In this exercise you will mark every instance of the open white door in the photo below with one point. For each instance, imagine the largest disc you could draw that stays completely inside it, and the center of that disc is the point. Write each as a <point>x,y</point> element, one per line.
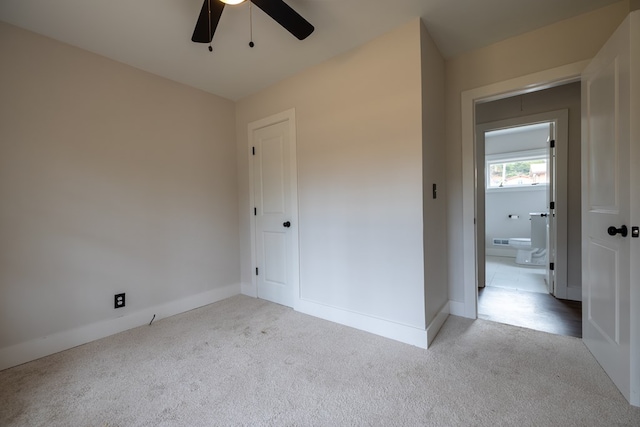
<point>608,193</point>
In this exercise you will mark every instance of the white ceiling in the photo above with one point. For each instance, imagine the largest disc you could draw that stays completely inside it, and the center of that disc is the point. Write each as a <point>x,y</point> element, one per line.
<point>155,35</point>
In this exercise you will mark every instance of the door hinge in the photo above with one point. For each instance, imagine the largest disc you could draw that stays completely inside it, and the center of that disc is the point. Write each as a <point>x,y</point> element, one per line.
<point>253,151</point>
<point>552,205</point>
<point>552,143</point>
<point>255,211</point>
<point>552,266</point>
<point>256,271</point>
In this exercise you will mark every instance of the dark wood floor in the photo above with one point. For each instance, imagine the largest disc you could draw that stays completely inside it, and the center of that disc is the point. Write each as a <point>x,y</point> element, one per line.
<point>531,310</point>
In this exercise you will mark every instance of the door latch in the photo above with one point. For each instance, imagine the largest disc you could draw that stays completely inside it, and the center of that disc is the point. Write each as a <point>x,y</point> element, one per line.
<point>635,232</point>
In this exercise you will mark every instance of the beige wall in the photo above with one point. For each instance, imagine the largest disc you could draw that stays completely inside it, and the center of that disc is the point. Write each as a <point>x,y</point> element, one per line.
<point>433,172</point>
<point>566,42</point>
<point>359,146</point>
<point>111,180</point>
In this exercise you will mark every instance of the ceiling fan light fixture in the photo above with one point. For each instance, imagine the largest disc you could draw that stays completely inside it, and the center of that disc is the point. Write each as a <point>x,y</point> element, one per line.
<point>278,10</point>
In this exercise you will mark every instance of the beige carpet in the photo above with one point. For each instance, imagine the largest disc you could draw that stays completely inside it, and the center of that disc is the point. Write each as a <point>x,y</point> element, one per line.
<point>248,362</point>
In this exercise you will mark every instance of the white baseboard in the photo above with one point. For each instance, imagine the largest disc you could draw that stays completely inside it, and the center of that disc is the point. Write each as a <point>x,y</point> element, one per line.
<point>386,328</point>
<point>436,324</point>
<point>34,349</point>
<point>456,308</point>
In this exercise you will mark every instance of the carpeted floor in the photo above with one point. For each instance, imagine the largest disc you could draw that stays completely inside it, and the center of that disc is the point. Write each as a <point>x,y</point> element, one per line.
<point>248,362</point>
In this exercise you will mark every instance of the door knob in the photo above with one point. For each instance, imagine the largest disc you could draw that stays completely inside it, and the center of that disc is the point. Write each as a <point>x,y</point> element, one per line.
<point>622,230</point>
<point>287,224</point>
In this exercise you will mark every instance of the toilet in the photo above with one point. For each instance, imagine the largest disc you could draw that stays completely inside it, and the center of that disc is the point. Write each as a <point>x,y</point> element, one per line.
<point>533,250</point>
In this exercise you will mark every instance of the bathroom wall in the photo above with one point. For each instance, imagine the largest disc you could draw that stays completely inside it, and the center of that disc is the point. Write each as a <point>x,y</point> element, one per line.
<point>500,203</point>
<point>516,139</point>
<point>498,224</point>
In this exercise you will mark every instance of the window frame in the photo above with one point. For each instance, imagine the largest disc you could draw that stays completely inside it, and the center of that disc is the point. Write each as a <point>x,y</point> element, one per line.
<point>512,157</point>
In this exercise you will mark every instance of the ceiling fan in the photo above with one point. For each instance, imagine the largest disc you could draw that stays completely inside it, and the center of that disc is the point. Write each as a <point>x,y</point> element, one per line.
<point>281,12</point>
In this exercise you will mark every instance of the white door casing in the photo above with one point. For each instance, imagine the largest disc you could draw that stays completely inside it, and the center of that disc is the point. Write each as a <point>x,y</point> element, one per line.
<point>606,202</point>
<point>273,198</point>
<point>520,85</point>
<point>552,200</point>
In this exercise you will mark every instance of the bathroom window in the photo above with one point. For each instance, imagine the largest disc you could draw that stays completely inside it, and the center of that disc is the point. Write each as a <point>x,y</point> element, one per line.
<point>525,169</point>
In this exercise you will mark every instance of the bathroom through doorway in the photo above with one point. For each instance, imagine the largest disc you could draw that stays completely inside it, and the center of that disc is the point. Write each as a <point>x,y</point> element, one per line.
<point>523,174</point>
<point>520,182</point>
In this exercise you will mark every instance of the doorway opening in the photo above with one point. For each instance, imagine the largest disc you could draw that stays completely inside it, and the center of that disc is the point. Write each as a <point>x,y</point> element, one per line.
<point>607,273</point>
<point>523,208</point>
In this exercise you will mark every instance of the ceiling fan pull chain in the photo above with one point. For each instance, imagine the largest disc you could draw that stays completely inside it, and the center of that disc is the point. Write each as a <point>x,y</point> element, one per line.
<point>251,44</point>
<point>209,21</point>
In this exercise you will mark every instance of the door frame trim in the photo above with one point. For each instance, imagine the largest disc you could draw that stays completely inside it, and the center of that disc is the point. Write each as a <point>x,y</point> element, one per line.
<point>529,83</point>
<point>290,117</point>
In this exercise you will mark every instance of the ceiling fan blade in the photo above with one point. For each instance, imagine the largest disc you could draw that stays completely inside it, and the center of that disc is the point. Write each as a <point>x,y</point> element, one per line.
<point>206,26</point>
<point>287,17</point>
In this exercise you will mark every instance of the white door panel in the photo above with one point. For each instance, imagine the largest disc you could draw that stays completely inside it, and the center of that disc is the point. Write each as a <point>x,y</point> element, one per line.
<point>275,212</point>
<point>271,161</point>
<point>603,144</point>
<point>275,255</point>
<point>606,194</point>
<point>604,292</point>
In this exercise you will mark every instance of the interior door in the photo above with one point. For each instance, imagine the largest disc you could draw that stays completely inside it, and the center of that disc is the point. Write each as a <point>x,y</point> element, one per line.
<point>606,197</point>
<point>274,212</point>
